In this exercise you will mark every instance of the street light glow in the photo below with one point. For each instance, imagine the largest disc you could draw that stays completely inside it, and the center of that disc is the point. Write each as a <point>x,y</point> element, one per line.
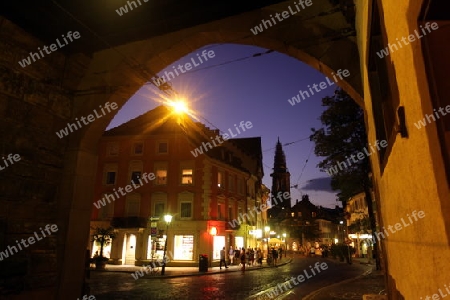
<point>168,218</point>
<point>179,106</point>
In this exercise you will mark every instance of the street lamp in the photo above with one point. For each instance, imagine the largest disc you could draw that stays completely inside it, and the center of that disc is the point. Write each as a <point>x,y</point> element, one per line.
<point>267,230</point>
<point>167,219</point>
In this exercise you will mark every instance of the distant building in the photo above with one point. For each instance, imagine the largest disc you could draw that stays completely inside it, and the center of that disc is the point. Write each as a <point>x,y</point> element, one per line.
<point>309,223</point>
<point>209,195</point>
<point>358,223</point>
<point>281,184</point>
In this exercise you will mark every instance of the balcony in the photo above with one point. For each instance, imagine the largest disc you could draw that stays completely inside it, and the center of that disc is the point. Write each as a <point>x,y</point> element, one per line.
<point>129,222</point>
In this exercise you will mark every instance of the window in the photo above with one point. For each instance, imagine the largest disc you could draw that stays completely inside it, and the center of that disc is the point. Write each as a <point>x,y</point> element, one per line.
<point>220,182</point>
<point>219,211</point>
<point>299,214</point>
<point>382,83</point>
<point>112,149</point>
<point>161,176</point>
<point>231,185</point>
<point>239,211</point>
<point>161,173</point>
<point>435,54</point>
<point>185,204</point>
<point>313,214</point>
<point>230,212</point>
<point>133,205</point>
<point>138,148</point>
<point>162,147</point>
<point>135,171</point>
<point>159,209</point>
<point>106,212</point>
<point>292,214</point>
<point>135,177</point>
<point>110,173</point>
<point>183,247</point>
<point>240,186</point>
<point>186,210</point>
<point>110,177</point>
<point>159,201</point>
<point>186,176</point>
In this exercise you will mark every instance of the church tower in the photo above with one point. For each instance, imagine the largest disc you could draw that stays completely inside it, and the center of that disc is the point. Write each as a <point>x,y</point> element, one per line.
<point>281,183</point>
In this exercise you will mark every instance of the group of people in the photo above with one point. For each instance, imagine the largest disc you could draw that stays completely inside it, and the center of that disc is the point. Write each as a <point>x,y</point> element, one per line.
<point>248,257</point>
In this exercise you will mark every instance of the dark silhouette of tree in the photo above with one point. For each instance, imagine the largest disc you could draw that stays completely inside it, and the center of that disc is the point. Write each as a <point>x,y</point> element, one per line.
<point>339,141</point>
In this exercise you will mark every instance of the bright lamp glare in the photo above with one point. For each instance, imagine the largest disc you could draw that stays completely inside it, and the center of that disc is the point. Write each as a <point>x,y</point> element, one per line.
<point>168,218</point>
<point>179,106</point>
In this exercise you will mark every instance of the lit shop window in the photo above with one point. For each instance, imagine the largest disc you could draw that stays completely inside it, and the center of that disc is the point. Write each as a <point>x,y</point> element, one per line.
<point>219,243</point>
<point>184,247</point>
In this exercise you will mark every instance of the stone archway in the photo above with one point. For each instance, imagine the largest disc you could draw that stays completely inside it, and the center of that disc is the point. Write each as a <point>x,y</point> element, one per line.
<point>77,84</point>
<point>83,158</point>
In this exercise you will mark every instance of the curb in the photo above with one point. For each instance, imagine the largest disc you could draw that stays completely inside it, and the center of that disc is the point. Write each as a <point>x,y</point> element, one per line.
<point>146,276</point>
<point>311,295</point>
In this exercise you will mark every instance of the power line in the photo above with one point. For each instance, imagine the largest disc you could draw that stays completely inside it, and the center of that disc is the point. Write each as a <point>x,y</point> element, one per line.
<point>288,144</point>
<point>218,65</point>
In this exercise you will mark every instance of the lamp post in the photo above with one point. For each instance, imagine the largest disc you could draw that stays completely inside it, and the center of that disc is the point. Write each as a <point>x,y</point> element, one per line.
<point>267,230</point>
<point>167,219</point>
<point>285,244</point>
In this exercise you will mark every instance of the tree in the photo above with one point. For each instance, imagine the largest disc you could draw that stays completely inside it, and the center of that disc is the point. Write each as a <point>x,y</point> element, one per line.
<point>103,236</point>
<point>339,141</point>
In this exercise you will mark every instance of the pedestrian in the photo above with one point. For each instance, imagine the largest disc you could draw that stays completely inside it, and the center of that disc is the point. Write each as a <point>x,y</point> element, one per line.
<point>243,259</point>
<point>222,258</point>
<point>275,256</point>
<point>251,256</point>
<point>231,255</point>
<point>260,256</point>
<point>312,251</point>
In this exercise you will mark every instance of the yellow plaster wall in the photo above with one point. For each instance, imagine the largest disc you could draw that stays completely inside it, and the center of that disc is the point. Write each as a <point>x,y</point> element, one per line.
<point>414,179</point>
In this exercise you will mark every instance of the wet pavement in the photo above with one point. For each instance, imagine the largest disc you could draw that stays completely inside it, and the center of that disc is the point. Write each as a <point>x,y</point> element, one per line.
<point>256,283</point>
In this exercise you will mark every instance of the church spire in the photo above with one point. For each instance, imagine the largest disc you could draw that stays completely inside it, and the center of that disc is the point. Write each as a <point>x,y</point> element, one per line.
<point>281,182</point>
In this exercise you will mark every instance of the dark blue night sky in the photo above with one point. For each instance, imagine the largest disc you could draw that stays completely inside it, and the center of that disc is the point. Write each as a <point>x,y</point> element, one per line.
<point>256,89</point>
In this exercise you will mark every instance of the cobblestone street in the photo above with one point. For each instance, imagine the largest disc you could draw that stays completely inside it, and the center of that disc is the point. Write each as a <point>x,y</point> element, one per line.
<point>231,284</point>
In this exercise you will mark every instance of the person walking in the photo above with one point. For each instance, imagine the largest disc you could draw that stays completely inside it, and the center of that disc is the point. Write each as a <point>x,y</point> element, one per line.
<point>243,259</point>
<point>274,256</point>
<point>222,259</point>
<point>231,255</point>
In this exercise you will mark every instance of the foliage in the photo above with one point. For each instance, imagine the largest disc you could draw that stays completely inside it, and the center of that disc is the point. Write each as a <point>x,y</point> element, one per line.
<point>360,225</point>
<point>103,236</point>
<point>343,134</point>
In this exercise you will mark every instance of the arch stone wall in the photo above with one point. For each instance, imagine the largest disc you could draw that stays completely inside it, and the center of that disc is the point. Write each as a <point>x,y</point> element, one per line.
<point>53,182</point>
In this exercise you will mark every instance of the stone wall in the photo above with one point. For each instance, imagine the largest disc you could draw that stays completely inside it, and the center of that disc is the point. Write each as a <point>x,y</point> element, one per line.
<point>35,102</point>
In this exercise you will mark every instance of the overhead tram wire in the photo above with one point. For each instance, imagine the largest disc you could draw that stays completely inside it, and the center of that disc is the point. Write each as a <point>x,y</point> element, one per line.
<point>304,166</point>
<point>289,143</point>
<point>221,64</point>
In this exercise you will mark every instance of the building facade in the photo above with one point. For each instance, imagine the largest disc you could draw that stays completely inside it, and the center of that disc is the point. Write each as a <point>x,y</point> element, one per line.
<point>155,154</point>
<point>310,224</point>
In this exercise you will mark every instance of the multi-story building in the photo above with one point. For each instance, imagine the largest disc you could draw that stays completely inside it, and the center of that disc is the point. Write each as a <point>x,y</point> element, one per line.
<point>309,223</point>
<point>155,159</point>
<point>358,223</point>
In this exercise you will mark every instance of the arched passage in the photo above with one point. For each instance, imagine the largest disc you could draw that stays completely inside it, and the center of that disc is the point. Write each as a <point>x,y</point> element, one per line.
<point>121,73</point>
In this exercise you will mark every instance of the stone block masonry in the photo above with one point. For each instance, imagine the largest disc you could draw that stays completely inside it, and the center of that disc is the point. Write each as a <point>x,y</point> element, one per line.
<point>9,251</point>
<point>35,55</point>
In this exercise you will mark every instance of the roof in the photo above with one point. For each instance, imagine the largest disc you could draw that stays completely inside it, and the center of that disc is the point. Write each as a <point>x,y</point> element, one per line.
<point>161,120</point>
